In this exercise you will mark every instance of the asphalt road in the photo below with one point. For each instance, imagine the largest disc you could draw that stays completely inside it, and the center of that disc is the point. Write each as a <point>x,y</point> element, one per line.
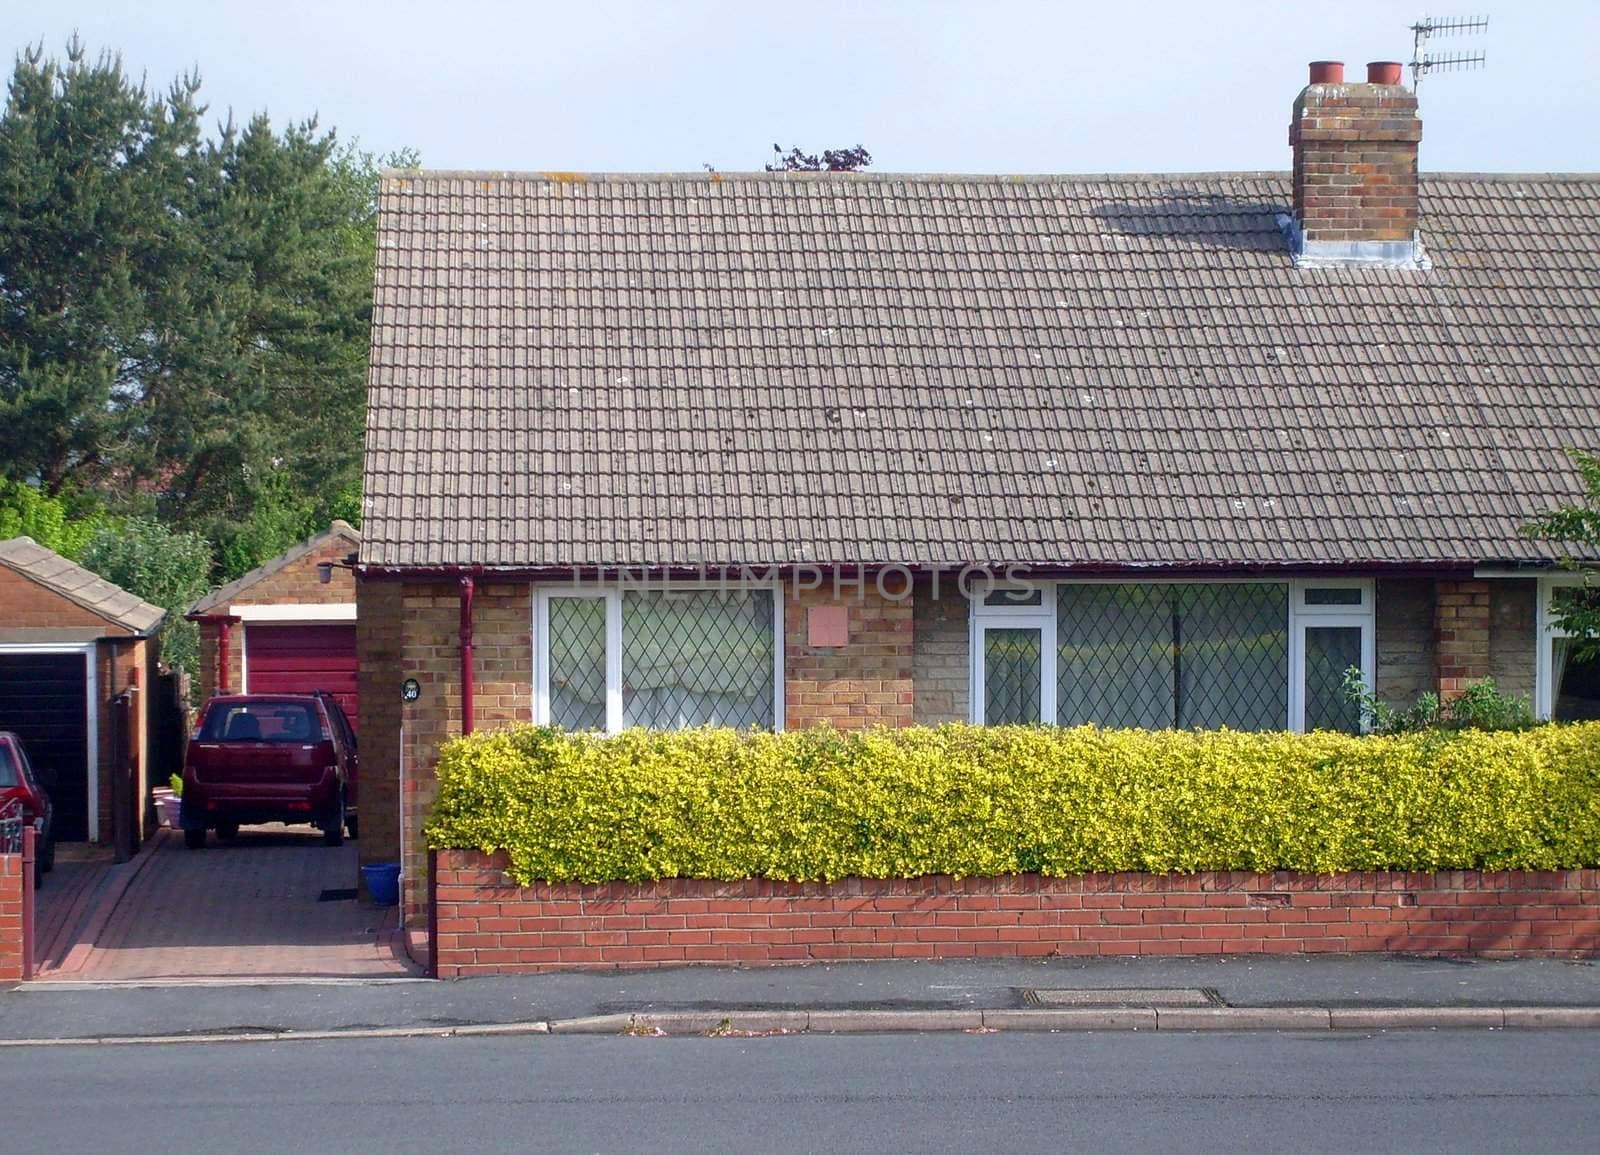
<point>1403,1091</point>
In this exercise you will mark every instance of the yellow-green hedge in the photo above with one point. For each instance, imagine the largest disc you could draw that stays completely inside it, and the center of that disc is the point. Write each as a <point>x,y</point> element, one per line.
<point>968,800</point>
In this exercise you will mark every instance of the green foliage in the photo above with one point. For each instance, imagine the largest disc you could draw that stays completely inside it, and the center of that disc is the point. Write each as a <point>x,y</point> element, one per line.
<point>166,568</point>
<point>971,800</point>
<point>175,781</point>
<point>1577,610</point>
<point>25,511</point>
<point>184,318</point>
<point>1482,706</point>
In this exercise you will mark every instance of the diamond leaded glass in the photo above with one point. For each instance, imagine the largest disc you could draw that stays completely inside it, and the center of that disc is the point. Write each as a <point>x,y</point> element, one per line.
<point>697,657</point>
<point>1013,669</point>
<point>1153,655</point>
<point>1330,651</point>
<point>578,663</point>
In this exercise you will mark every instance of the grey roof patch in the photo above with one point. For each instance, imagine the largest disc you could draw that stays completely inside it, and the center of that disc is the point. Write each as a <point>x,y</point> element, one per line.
<point>80,586</point>
<point>222,595</point>
<point>1084,372</point>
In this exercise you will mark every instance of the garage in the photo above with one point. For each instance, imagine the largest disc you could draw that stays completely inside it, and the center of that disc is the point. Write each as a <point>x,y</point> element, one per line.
<point>297,659</point>
<point>79,686</point>
<point>44,700</point>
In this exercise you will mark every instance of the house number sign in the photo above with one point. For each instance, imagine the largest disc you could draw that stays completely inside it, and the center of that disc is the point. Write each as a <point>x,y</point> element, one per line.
<point>410,691</point>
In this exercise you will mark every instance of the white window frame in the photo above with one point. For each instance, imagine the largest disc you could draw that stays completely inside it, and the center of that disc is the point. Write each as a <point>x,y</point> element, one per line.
<point>1546,632</point>
<point>1300,617</point>
<point>611,593</point>
<point>1303,617</point>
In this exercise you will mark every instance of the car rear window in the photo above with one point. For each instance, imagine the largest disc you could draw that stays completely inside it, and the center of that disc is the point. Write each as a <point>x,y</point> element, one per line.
<point>8,766</point>
<point>263,722</point>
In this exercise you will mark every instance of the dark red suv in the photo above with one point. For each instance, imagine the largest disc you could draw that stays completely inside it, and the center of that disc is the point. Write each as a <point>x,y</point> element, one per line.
<point>254,758</point>
<point>22,796</point>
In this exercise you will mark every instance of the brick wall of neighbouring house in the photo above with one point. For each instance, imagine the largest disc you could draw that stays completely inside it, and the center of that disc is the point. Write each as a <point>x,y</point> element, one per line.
<point>1513,635</point>
<point>940,660</point>
<point>25,604</point>
<point>379,653</point>
<point>1405,644</point>
<point>865,682</point>
<point>11,936</point>
<point>1461,623</point>
<point>295,584</point>
<point>487,926</point>
<point>430,652</point>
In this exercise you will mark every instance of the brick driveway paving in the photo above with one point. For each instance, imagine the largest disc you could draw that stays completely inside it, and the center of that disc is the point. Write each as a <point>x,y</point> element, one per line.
<point>249,908</point>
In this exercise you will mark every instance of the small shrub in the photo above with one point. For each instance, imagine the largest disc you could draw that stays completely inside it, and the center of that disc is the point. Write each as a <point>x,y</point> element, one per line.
<point>971,800</point>
<point>1481,706</point>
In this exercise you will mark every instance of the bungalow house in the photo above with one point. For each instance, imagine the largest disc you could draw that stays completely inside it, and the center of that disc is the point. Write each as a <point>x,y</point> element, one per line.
<point>797,449</point>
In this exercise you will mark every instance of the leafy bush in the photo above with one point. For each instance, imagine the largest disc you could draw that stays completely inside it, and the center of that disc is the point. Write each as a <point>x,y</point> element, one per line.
<point>1481,706</point>
<point>166,568</point>
<point>968,800</point>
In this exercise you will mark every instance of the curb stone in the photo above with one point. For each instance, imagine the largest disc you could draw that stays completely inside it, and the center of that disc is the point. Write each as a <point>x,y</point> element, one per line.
<point>775,1022</point>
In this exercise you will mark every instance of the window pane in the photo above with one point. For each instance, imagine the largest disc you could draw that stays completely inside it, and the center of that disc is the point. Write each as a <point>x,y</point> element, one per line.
<point>1009,597</point>
<point>8,769</point>
<point>1576,687</point>
<point>1330,651</point>
<point>1233,655</point>
<point>1333,596</point>
<point>1013,670</point>
<point>578,663</point>
<point>1115,657</point>
<point>697,657</point>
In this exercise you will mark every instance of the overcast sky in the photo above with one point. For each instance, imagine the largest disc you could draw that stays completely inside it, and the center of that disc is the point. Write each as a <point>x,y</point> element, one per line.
<point>926,85</point>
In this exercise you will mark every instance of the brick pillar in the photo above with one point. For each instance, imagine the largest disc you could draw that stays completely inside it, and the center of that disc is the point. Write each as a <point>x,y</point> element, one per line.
<point>1461,625</point>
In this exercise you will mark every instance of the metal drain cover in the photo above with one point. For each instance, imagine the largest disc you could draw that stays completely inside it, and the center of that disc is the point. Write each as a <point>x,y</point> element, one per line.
<point>340,894</point>
<point>1123,997</point>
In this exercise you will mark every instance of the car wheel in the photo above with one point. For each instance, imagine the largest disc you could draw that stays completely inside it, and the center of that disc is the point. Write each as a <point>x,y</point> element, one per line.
<point>194,837</point>
<point>227,831</point>
<point>351,826</point>
<point>333,826</point>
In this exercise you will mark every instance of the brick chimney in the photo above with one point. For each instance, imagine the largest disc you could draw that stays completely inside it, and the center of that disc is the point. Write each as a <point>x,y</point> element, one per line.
<point>1355,169</point>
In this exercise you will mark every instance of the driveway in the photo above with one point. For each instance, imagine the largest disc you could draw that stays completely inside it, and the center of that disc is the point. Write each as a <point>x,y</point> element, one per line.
<point>264,906</point>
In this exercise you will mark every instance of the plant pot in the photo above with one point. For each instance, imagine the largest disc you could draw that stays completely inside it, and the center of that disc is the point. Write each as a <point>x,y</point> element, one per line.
<point>167,806</point>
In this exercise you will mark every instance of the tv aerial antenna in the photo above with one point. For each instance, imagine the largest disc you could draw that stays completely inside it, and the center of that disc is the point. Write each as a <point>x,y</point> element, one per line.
<point>1425,63</point>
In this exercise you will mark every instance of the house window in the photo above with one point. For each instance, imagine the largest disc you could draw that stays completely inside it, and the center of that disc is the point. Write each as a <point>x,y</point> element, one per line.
<point>663,658</point>
<point>1157,655</point>
<point>1566,687</point>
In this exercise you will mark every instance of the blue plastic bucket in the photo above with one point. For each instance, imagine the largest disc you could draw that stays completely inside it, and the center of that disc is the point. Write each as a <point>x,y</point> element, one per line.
<point>383,882</point>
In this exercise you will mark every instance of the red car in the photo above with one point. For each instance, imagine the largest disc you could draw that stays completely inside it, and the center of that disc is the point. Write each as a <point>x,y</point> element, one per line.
<point>254,758</point>
<point>22,796</point>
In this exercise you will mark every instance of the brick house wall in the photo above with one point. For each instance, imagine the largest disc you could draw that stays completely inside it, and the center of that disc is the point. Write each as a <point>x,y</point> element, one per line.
<point>1405,645</point>
<point>1461,629</point>
<point>867,681</point>
<point>941,673</point>
<point>25,604</point>
<point>1513,644</point>
<point>380,670</point>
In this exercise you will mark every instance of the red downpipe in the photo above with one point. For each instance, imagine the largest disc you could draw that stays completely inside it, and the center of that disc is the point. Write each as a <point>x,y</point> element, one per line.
<point>466,655</point>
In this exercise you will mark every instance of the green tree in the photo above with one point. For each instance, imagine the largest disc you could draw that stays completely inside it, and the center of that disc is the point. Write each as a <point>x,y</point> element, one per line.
<point>165,568</point>
<point>1576,527</point>
<point>25,511</point>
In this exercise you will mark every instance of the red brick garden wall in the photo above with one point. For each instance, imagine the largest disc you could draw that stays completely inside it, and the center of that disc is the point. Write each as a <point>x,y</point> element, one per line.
<point>11,936</point>
<point>487,926</point>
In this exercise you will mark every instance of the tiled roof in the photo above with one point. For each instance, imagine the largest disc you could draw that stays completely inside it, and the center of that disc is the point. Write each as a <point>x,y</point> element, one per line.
<point>656,370</point>
<point>222,595</point>
<point>49,569</point>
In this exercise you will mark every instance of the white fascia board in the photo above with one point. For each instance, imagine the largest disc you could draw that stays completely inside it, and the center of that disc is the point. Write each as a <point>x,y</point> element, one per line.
<point>296,612</point>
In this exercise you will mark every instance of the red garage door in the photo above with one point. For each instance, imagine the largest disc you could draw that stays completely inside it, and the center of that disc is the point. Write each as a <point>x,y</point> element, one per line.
<point>299,659</point>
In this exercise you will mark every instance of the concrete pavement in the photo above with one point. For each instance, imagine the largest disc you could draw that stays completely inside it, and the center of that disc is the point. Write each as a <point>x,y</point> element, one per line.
<point>1321,993</point>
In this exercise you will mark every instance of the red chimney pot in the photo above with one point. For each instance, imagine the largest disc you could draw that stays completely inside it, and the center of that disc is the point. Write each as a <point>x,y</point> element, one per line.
<point>1383,72</point>
<point>1327,72</point>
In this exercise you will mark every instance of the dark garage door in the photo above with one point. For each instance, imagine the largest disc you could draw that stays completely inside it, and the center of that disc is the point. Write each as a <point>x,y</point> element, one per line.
<point>299,659</point>
<point>44,700</point>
